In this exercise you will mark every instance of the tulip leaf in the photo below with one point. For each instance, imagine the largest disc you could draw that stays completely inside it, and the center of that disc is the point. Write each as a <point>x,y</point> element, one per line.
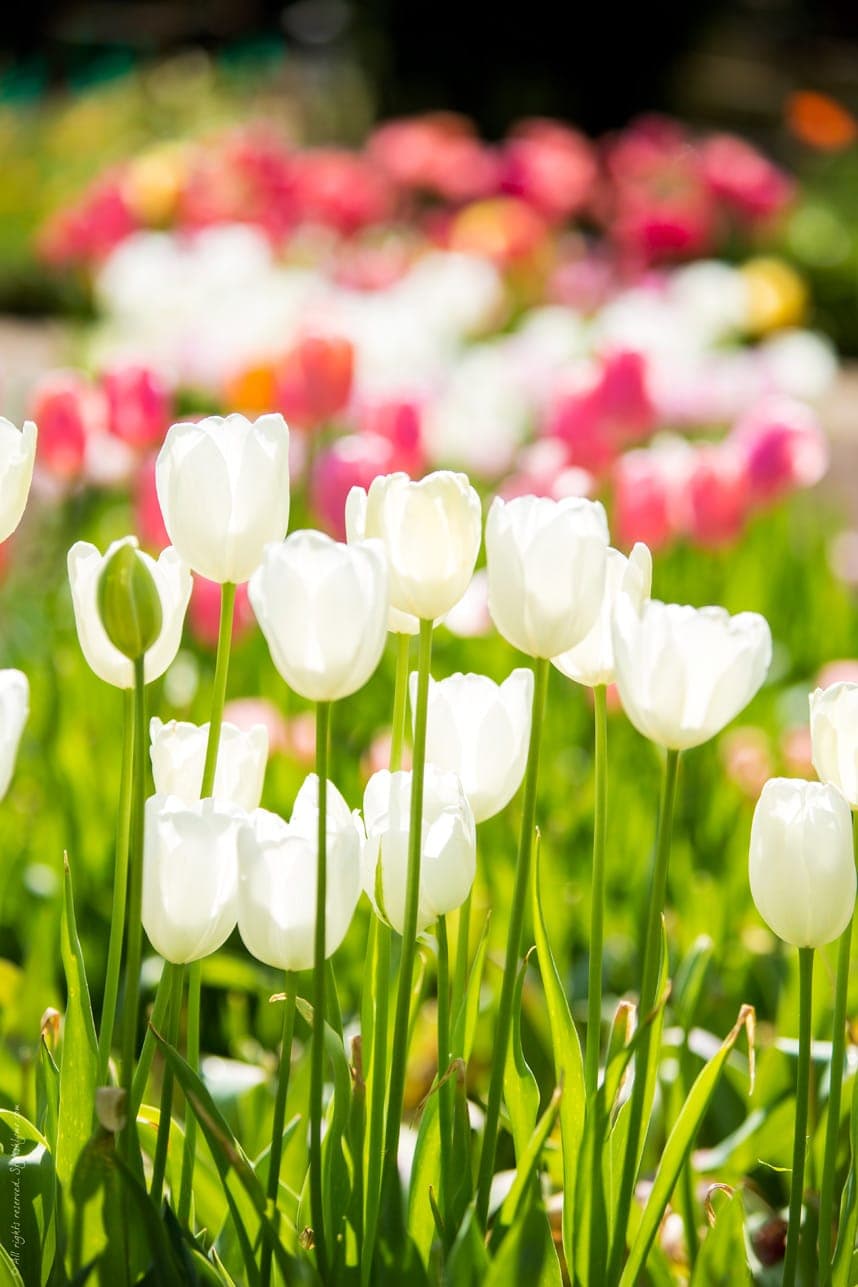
<point>568,1060</point>
<point>9,1275</point>
<point>679,1145</point>
<point>521,1093</point>
<point>468,1262</point>
<point>527,1254</point>
<point>528,1164</point>
<point>425,1176</point>
<point>47,1095</point>
<point>460,1181</point>
<point>27,1198</point>
<point>847,1231</point>
<point>723,1261</point>
<point>465,1025</point>
<point>78,1060</point>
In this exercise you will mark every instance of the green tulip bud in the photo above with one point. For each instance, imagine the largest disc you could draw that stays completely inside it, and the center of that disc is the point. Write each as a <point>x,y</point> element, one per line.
<point>128,603</point>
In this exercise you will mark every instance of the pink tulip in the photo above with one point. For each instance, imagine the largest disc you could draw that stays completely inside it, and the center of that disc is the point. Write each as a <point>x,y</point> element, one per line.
<point>204,612</point>
<point>314,380</point>
<point>747,759</point>
<point>744,179</point>
<point>543,469</point>
<point>68,410</point>
<point>148,518</point>
<point>341,189</point>
<point>550,166</point>
<point>717,495</point>
<point>245,712</point>
<point>783,446</point>
<point>438,154</point>
<point>598,420</point>
<point>138,405</point>
<point>351,461</point>
<point>649,494</point>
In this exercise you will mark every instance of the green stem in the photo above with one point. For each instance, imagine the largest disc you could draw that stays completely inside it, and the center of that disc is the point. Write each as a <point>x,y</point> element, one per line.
<point>832,1129</point>
<point>513,945</point>
<point>400,702</point>
<point>159,1165</point>
<point>460,969</point>
<point>597,899</point>
<point>276,1153</point>
<point>409,929</point>
<point>224,643</point>
<point>120,889</point>
<point>649,985</point>
<point>134,920</point>
<point>156,1020</point>
<point>445,1087</point>
<point>805,966</point>
<point>317,1054</point>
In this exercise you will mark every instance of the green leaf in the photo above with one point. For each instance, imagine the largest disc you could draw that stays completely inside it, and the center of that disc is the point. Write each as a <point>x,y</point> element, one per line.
<point>722,1261</point>
<point>9,1276</point>
<point>528,1164</point>
<point>78,1061</point>
<point>465,1022</point>
<point>27,1203</point>
<point>527,1254</point>
<point>166,1264</point>
<point>468,1262</point>
<point>679,1145</point>
<point>520,1091</point>
<point>47,1095</point>
<point>425,1175</point>
<point>568,1061</point>
<point>847,1230</point>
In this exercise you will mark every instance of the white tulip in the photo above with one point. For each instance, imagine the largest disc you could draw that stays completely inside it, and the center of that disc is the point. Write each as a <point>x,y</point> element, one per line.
<point>802,866</point>
<point>277,890</point>
<point>480,731</point>
<point>190,876</point>
<point>398,623</point>
<point>448,845</point>
<point>591,662</point>
<point>173,583</point>
<point>14,709</point>
<point>431,532</point>
<point>223,487</point>
<point>17,457</point>
<point>322,606</point>
<point>683,673</point>
<point>834,737</point>
<point>178,753</point>
<point>546,566</point>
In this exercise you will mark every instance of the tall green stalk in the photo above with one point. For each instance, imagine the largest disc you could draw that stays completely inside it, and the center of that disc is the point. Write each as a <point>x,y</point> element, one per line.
<point>377,1070</point>
<point>276,1153</point>
<point>597,899</point>
<point>513,944</point>
<point>134,920</point>
<point>460,969</point>
<point>835,1095</point>
<point>799,1151</point>
<point>317,1053</point>
<point>649,984</point>
<point>224,643</point>
<point>445,1087</point>
<point>175,982</point>
<point>399,1058</point>
<point>120,890</point>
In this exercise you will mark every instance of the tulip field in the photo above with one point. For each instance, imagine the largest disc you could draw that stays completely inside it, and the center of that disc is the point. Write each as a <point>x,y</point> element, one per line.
<point>429,727</point>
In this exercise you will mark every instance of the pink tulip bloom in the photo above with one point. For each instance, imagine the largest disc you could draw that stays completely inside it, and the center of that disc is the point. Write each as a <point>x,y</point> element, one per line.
<point>148,519</point>
<point>717,494</point>
<point>245,712</point>
<point>783,446</point>
<point>204,612</point>
<point>139,406</point>
<point>550,166</point>
<point>598,420</point>
<point>438,154</point>
<point>744,179</point>
<point>341,189</point>
<point>351,461</point>
<point>69,411</point>
<point>314,380</point>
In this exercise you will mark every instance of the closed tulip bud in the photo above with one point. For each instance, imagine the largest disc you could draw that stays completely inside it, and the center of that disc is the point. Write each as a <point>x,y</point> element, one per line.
<point>14,709</point>
<point>172,584</point>
<point>683,673</point>
<point>802,866</point>
<point>834,737</point>
<point>128,602</point>
<point>448,845</point>
<point>190,876</point>
<point>223,486</point>
<point>398,623</point>
<point>480,731</point>
<point>591,662</point>
<point>17,456</point>
<point>431,532</point>
<point>546,565</point>
<point>322,607</point>
<point>277,892</point>
<point>178,753</point>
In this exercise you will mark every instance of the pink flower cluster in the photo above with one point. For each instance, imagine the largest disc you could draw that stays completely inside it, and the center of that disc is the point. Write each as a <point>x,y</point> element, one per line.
<point>656,192</point>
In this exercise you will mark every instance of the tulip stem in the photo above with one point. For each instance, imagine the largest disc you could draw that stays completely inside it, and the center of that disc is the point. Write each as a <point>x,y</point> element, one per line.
<point>805,966</point>
<point>317,1054</point>
<point>832,1129</point>
<point>175,980</point>
<point>156,1020</point>
<point>445,1085</point>
<point>409,929</point>
<point>224,642</point>
<point>134,920</point>
<point>513,945</point>
<point>597,897</point>
<point>381,995</point>
<point>460,972</point>
<point>276,1153</point>
<point>120,890</point>
<point>649,986</point>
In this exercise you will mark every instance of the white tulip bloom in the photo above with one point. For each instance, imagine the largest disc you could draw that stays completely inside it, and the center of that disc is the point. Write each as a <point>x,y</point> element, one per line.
<point>14,709</point>
<point>683,673</point>
<point>173,583</point>
<point>834,737</point>
<point>546,566</point>
<point>322,606</point>
<point>802,865</point>
<point>17,458</point>
<point>431,532</point>
<point>223,488</point>
<point>480,731</point>
<point>277,891</point>
<point>178,754</point>
<point>190,876</point>
<point>591,662</point>
<point>448,845</point>
<point>398,623</point>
